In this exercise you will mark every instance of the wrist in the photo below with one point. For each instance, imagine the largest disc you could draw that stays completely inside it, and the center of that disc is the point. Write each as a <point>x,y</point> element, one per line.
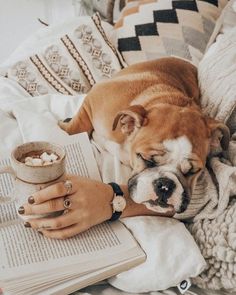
<point>107,204</point>
<point>118,203</point>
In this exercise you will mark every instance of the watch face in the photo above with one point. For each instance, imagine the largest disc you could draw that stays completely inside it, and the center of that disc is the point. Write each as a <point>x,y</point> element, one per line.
<point>119,203</point>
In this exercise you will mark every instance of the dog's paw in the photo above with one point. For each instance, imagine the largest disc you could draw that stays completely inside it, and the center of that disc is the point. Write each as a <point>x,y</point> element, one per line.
<point>63,124</point>
<point>67,120</point>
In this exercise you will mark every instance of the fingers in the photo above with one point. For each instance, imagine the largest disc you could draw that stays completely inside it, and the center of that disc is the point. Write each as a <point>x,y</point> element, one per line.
<point>66,232</point>
<point>50,206</point>
<point>62,221</point>
<point>51,192</point>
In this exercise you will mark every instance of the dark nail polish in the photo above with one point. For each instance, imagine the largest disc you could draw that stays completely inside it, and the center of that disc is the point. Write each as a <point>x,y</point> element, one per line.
<point>40,233</point>
<point>27,224</point>
<point>21,210</point>
<point>31,200</point>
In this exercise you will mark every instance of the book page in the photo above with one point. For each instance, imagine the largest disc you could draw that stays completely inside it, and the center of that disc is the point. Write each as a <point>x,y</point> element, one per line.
<point>7,204</point>
<point>6,181</point>
<point>24,251</point>
<point>7,211</point>
<point>80,158</point>
<point>21,248</point>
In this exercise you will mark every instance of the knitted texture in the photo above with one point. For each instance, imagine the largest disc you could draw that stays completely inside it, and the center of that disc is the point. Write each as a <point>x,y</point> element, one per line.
<point>217,241</point>
<point>214,227</point>
<point>214,188</point>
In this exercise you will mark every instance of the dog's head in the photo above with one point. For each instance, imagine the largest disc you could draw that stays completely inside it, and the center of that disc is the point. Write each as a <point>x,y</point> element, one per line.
<point>168,148</point>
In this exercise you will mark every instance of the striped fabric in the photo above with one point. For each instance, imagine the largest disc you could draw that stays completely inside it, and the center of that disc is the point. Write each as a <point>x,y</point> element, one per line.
<point>71,65</point>
<point>150,29</point>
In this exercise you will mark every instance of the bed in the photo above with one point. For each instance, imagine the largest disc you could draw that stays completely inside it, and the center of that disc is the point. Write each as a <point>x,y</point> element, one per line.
<point>40,84</point>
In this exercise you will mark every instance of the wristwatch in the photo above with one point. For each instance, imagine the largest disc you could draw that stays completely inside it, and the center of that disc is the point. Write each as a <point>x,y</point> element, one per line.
<point>118,203</point>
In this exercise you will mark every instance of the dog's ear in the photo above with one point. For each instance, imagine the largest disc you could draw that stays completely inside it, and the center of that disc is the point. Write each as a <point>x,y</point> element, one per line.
<point>130,119</point>
<point>220,135</point>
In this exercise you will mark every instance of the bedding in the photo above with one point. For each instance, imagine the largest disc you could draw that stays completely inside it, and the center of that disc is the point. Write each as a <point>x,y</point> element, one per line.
<point>26,118</point>
<point>36,119</point>
<point>155,28</point>
<point>217,68</point>
<point>71,60</point>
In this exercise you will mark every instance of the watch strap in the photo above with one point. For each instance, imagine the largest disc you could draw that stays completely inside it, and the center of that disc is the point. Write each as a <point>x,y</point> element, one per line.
<point>118,192</point>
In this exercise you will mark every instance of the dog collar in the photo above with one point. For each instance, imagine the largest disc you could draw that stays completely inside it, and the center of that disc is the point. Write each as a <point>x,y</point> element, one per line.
<point>118,203</point>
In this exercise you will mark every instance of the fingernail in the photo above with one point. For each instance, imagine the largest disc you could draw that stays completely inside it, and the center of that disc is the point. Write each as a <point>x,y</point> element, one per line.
<point>27,224</point>
<point>40,232</point>
<point>31,200</point>
<point>21,210</point>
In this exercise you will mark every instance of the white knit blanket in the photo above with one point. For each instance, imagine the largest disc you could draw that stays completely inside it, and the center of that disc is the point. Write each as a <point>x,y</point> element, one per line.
<point>214,227</point>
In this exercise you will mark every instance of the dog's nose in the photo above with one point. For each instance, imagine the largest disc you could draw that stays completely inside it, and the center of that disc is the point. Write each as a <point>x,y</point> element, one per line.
<point>164,188</point>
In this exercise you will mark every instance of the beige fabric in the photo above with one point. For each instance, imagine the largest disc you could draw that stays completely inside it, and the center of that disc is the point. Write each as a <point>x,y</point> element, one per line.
<point>71,64</point>
<point>217,241</point>
<point>214,188</point>
<point>217,77</point>
<point>181,28</point>
<point>217,70</point>
<point>105,8</point>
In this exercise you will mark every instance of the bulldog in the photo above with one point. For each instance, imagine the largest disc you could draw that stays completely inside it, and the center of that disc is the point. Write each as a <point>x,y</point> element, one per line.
<point>152,111</point>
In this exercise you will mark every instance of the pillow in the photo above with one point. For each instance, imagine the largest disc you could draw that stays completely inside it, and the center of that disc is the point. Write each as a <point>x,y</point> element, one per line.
<point>105,8</point>
<point>217,70</point>
<point>172,255</point>
<point>69,64</point>
<point>150,29</point>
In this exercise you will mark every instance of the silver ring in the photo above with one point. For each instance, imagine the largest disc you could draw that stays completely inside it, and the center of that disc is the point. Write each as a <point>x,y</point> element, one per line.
<point>68,186</point>
<point>65,211</point>
<point>67,203</point>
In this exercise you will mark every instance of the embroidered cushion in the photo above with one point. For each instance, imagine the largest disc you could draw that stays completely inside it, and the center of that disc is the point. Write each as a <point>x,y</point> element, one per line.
<point>72,63</point>
<point>150,29</point>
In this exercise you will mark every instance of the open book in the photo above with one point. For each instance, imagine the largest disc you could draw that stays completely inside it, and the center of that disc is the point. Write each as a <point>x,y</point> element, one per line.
<point>33,264</point>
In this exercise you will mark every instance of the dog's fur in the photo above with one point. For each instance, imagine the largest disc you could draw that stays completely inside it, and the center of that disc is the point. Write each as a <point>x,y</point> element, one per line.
<point>152,110</point>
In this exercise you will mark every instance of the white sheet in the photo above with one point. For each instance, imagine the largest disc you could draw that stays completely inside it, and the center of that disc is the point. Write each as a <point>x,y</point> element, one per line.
<point>26,119</point>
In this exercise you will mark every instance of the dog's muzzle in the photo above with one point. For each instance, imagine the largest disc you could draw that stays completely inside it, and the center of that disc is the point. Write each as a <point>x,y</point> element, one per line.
<point>159,189</point>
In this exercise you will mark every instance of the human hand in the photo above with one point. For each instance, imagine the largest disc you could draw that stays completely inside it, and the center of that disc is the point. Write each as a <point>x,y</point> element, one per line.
<point>90,204</point>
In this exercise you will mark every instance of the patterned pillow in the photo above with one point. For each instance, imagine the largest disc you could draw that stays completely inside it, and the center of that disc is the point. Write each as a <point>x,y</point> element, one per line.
<point>104,7</point>
<point>150,29</point>
<point>70,65</point>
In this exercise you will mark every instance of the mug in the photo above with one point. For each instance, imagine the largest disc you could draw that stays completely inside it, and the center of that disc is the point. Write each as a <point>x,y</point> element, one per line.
<point>30,179</point>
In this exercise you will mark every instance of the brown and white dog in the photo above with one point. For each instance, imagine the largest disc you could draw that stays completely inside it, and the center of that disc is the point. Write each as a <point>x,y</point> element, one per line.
<point>152,110</point>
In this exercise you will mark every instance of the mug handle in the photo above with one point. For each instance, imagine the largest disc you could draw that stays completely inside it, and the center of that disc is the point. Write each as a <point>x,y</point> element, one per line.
<point>7,169</point>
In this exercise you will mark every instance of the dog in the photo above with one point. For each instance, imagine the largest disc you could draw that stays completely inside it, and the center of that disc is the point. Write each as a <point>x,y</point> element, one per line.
<point>152,110</point>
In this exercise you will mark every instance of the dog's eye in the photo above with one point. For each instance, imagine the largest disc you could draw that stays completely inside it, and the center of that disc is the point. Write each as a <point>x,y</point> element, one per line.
<point>192,172</point>
<point>148,162</point>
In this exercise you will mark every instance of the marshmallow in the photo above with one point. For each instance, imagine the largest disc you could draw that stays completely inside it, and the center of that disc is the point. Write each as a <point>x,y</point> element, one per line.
<point>53,157</point>
<point>46,157</point>
<point>37,162</point>
<point>43,160</point>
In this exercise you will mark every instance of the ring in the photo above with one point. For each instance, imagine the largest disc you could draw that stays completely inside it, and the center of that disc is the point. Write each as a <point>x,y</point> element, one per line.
<point>65,211</point>
<point>67,203</point>
<point>68,186</point>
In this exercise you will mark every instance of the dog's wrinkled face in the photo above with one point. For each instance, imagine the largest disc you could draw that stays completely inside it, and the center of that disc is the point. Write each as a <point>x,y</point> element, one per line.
<point>168,150</point>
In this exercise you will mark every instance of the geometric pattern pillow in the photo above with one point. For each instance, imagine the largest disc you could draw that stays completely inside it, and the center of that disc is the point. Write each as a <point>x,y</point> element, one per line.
<point>150,29</point>
<point>72,64</point>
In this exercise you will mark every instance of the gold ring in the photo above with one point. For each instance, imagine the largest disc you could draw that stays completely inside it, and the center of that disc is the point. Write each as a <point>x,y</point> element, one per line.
<point>68,186</point>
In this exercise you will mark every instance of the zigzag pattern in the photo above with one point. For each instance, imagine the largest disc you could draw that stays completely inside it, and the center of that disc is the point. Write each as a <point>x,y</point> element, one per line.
<point>182,26</point>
